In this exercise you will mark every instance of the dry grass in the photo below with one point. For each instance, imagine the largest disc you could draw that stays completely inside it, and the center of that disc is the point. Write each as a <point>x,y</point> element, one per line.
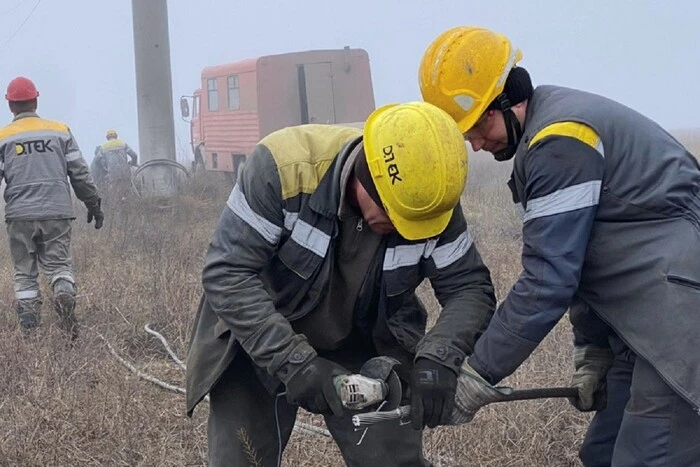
<point>78,406</point>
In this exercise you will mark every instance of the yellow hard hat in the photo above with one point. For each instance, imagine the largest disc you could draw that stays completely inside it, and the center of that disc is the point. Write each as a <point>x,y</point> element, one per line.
<point>418,162</point>
<point>111,134</point>
<point>464,70</point>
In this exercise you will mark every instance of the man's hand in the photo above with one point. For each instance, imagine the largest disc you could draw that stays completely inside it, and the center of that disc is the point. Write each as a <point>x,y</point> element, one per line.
<point>312,387</point>
<point>432,394</point>
<point>592,364</point>
<point>473,393</point>
<point>95,212</point>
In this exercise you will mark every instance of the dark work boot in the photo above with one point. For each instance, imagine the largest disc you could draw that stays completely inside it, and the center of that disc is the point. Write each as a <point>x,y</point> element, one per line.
<point>29,314</point>
<point>64,304</point>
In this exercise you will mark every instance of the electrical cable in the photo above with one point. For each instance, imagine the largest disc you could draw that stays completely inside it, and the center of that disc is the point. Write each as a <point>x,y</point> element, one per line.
<point>279,431</point>
<point>7,41</point>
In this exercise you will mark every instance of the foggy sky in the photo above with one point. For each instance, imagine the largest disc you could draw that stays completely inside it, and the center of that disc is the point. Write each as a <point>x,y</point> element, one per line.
<point>80,52</point>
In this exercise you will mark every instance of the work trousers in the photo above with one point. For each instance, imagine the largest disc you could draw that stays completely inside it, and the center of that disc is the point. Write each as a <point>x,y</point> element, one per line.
<point>40,244</point>
<point>245,419</point>
<point>645,421</point>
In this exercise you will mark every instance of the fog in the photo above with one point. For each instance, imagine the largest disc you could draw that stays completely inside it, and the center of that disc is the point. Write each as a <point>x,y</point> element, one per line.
<point>80,52</point>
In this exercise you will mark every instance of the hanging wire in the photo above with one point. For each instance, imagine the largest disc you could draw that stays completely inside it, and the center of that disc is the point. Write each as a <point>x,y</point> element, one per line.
<point>7,41</point>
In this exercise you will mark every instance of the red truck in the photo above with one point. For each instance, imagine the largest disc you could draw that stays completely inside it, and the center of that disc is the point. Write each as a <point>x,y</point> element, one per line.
<point>240,103</point>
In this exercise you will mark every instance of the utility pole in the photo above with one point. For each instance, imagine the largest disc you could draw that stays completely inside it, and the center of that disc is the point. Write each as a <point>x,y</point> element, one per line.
<point>154,89</point>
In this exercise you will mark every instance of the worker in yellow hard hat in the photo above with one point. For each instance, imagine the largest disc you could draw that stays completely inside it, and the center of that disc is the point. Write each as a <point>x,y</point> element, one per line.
<point>313,270</point>
<point>112,164</point>
<point>611,230</point>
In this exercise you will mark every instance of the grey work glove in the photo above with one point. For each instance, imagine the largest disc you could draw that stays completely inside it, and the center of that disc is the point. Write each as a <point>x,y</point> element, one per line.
<point>473,393</point>
<point>95,212</point>
<point>591,363</point>
<point>312,387</point>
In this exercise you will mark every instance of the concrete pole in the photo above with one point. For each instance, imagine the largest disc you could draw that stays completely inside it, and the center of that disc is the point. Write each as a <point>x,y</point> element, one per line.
<point>154,89</point>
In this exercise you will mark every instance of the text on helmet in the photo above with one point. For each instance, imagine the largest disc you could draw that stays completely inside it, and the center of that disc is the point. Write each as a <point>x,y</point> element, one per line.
<point>391,167</point>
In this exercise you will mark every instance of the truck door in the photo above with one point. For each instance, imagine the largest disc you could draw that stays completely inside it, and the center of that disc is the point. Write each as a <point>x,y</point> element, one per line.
<point>316,93</point>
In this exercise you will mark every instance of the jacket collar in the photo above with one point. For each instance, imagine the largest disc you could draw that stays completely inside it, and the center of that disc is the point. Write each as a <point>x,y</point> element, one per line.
<point>326,199</point>
<point>25,115</point>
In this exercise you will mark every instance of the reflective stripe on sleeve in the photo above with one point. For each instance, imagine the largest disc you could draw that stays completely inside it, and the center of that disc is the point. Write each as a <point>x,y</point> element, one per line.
<point>239,205</point>
<point>446,254</point>
<point>567,199</point>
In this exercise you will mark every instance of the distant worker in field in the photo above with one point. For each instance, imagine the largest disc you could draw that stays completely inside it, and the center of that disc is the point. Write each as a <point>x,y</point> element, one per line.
<point>313,270</point>
<point>113,161</point>
<point>611,228</point>
<point>38,158</point>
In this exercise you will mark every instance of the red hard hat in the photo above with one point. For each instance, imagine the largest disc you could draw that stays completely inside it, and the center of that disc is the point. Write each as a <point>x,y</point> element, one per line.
<point>21,89</point>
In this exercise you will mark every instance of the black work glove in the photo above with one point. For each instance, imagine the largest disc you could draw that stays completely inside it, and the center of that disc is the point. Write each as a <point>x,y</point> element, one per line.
<point>95,212</point>
<point>433,389</point>
<point>312,387</point>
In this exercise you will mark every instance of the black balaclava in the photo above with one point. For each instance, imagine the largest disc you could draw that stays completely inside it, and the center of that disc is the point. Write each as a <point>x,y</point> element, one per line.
<point>363,175</point>
<point>518,88</point>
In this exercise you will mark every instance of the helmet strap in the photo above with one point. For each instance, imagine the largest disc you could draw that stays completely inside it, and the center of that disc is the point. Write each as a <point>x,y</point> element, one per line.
<point>513,129</point>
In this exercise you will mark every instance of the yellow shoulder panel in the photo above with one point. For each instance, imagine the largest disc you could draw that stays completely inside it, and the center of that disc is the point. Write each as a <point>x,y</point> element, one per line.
<point>32,124</point>
<point>579,131</point>
<point>112,144</point>
<point>304,153</point>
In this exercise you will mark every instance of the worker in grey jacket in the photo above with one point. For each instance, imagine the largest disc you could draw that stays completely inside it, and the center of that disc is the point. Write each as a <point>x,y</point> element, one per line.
<point>313,270</point>
<point>37,159</point>
<point>113,161</point>
<point>611,207</point>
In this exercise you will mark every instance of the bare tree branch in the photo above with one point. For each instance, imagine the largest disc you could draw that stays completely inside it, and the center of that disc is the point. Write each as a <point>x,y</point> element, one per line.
<point>162,339</point>
<point>298,426</point>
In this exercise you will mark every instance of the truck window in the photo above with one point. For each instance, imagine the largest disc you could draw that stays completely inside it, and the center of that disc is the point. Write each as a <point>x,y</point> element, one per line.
<point>234,96</point>
<point>214,160</point>
<point>195,106</point>
<point>212,95</point>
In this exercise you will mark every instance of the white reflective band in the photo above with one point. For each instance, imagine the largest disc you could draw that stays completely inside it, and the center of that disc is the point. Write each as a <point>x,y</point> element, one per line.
<point>290,218</point>
<point>239,205</point>
<point>2,166</point>
<point>446,254</point>
<point>26,294</point>
<point>407,255</point>
<point>402,255</point>
<point>65,277</point>
<point>567,199</point>
<point>73,156</point>
<point>311,238</point>
<point>599,148</point>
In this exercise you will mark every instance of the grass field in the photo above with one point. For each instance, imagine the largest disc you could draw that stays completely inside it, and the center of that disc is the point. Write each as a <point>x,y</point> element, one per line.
<point>64,405</point>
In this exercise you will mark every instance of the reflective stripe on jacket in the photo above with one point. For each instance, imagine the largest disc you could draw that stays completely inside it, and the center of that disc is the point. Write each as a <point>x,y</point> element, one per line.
<point>37,158</point>
<point>272,254</point>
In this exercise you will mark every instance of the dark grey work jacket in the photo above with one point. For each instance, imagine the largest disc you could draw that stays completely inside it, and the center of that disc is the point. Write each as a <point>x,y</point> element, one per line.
<point>611,215</point>
<point>272,254</point>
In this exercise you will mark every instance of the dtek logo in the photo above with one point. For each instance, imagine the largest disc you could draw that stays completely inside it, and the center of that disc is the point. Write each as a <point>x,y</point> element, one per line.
<point>33,146</point>
<point>392,167</point>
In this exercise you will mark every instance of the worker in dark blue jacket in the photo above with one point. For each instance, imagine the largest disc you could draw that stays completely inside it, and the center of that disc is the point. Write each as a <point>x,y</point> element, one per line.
<point>611,206</point>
